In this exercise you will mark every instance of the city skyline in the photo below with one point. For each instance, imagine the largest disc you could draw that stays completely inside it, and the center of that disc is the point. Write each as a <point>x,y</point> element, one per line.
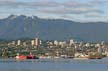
<point>76,10</point>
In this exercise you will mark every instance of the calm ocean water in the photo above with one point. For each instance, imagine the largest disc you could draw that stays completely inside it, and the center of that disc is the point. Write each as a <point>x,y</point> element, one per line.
<point>54,65</point>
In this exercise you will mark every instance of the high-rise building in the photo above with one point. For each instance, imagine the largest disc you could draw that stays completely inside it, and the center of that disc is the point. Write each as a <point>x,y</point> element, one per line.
<point>40,42</point>
<point>71,42</point>
<point>19,42</point>
<point>37,41</point>
<point>32,42</point>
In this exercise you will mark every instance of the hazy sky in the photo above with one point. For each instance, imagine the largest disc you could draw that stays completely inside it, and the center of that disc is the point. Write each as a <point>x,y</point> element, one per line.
<point>76,10</point>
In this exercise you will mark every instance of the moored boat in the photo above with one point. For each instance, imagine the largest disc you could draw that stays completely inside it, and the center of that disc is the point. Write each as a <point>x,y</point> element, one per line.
<point>31,56</point>
<point>22,57</point>
<point>94,57</point>
<point>84,57</point>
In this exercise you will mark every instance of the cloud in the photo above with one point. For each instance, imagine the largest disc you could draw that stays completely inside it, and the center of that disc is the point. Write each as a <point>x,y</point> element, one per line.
<point>76,4</point>
<point>97,16</point>
<point>54,8</point>
<point>68,17</point>
<point>99,2</point>
<point>93,15</point>
<point>9,3</point>
<point>44,4</point>
<point>7,0</point>
<point>12,4</point>
<point>80,10</point>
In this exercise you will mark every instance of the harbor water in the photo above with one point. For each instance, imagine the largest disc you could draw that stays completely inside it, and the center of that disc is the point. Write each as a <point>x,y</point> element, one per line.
<point>54,65</point>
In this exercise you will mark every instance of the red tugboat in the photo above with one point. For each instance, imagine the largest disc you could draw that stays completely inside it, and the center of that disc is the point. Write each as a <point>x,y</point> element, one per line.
<point>31,56</point>
<point>23,57</point>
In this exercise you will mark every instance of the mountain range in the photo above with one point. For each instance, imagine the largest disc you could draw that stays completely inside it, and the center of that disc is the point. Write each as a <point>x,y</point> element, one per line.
<point>16,27</point>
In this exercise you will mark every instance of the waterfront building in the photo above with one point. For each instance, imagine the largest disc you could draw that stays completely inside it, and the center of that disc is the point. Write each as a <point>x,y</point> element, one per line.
<point>80,44</point>
<point>106,51</point>
<point>62,43</point>
<point>97,45</point>
<point>100,49</point>
<point>24,44</point>
<point>50,43</point>
<point>56,42</point>
<point>102,43</point>
<point>13,43</point>
<point>87,44</point>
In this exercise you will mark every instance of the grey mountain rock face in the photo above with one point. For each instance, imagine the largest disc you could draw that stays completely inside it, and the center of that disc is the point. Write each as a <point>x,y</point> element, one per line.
<point>15,27</point>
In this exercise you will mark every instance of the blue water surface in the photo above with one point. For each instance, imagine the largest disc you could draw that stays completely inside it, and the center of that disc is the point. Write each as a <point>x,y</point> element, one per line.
<point>54,65</point>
